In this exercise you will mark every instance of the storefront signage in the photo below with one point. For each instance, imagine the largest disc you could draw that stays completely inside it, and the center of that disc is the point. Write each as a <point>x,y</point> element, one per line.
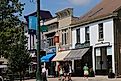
<point>78,45</point>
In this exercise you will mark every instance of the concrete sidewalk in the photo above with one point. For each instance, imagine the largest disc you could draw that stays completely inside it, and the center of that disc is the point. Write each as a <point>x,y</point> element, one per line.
<point>97,78</point>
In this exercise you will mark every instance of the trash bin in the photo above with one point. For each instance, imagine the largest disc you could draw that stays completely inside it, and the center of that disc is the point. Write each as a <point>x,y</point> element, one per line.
<point>111,74</point>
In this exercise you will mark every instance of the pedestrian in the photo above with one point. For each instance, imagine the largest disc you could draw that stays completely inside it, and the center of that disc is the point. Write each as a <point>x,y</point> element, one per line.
<point>44,71</point>
<point>70,71</point>
<point>86,72</point>
<point>58,70</point>
<point>61,73</point>
<point>66,70</point>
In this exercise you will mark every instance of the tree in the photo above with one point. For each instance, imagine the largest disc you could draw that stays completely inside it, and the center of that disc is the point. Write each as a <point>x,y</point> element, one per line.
<point>20,58</point>
<point>10,11</point>
<point>12,39</point>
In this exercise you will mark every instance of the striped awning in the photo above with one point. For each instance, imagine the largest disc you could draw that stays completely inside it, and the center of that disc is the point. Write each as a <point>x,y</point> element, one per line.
<point>76,54</point>
<point>61,55</point>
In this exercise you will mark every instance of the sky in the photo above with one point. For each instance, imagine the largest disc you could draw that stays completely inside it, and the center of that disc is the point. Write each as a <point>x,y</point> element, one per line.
<point>80,7</point>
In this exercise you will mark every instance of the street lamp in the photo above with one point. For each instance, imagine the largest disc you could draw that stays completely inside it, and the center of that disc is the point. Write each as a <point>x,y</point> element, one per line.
<point>38,72</point>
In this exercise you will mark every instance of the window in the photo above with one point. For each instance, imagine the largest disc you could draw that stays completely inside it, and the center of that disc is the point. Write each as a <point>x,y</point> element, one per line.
<point>51,41</point>
<point>100,30</point>
<point>78,35</point>
<point>64,37</point>
<point>87,38</point>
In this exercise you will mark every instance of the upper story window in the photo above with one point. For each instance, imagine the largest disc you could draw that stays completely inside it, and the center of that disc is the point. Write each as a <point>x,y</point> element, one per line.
<point>51,41</point>
<point>78,35</point>
<point>52,27</point>
<point>87,38</point>
<point>64,37</point>
<point>100,28</point>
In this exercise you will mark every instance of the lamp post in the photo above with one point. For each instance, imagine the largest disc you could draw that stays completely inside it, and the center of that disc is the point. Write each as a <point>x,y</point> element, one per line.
<point>38,72</point>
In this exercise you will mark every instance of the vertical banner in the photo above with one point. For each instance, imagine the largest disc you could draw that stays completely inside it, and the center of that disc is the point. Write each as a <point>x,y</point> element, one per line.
<point>33,22</point>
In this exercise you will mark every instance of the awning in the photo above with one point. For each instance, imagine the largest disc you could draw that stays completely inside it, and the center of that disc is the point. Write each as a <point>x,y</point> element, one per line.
<point>47,58</point>
<point>61,55</point>
<point>76,54</point>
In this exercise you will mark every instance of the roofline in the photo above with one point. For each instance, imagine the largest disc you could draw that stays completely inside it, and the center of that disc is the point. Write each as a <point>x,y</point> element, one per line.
<point>103,17</point>
<point>36,12</point>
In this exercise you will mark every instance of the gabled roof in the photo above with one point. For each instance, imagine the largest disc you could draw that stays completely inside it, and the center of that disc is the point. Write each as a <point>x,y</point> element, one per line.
<point>104,8</point>
<point>43,14</point>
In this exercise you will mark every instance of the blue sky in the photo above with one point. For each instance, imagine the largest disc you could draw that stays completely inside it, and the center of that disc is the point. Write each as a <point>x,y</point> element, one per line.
<point>80,6</point>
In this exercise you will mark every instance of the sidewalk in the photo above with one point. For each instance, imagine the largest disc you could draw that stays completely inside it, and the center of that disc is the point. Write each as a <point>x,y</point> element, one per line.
<point>97,78</point>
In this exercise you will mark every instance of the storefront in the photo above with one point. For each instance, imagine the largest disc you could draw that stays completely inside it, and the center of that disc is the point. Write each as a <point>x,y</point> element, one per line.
<point>79,58</point>
<point>47,61</point>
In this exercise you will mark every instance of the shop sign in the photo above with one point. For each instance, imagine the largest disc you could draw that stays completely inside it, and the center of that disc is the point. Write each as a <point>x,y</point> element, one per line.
<point>78,45</point>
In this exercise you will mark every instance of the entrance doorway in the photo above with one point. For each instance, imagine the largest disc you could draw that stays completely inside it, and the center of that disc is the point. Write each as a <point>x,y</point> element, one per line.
<point>103,60</point>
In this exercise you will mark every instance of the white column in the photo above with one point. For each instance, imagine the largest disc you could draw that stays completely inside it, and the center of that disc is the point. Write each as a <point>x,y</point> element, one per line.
<point>113,59</point>
<point>73,65</point>
<point>93,59</point>
<point>57,44</point>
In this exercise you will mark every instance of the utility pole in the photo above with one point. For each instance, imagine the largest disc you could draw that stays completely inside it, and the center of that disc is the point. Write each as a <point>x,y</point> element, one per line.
<point>38,73</point>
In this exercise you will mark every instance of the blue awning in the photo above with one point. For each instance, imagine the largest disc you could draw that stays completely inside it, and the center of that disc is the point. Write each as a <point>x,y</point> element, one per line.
<point>47,58</point>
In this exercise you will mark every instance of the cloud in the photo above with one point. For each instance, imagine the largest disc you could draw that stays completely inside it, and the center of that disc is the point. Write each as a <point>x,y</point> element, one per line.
<point>80,2</point>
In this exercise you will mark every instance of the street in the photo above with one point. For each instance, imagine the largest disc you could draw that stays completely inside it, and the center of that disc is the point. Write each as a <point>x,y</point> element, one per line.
<point>97,78</point>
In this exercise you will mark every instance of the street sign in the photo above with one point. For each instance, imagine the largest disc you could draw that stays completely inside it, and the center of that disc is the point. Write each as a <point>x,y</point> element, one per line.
<point>44,28</point>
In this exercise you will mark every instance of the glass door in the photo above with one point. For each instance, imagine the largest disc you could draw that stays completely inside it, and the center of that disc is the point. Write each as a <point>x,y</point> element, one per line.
<point>101,60</point>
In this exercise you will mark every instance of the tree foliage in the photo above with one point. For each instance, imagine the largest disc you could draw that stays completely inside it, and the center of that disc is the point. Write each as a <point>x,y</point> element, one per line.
<point>12,39</point>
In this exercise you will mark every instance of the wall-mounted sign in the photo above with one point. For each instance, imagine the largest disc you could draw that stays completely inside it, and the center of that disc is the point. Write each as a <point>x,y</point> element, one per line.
<point>56,39</point>
<point>33,22</point>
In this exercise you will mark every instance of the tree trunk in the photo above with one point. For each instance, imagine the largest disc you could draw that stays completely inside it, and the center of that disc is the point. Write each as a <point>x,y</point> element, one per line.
<point>20,76</point>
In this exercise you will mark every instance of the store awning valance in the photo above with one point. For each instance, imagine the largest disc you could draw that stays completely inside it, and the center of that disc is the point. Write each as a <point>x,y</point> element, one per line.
<point>76,54</point>
<point>47,58</point>
<point>61,55</point>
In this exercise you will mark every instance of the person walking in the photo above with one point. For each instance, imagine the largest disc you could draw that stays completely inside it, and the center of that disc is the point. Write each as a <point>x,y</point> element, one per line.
<point>66,70</point>
<point>58,71</point>
<point>86,72</point>
<point>61,73</point>
<point>70,72</point>
<point>44,74</point>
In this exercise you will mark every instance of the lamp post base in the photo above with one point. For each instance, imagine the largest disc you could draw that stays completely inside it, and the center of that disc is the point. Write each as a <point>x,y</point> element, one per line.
<point>38,76</point>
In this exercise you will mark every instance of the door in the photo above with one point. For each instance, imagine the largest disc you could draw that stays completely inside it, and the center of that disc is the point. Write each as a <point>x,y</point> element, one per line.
<point>101,61</point>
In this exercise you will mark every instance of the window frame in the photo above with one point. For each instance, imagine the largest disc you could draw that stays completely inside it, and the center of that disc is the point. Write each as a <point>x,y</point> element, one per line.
<point>100,31</point>
<point>78,35</point>
<point>87,34</point>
